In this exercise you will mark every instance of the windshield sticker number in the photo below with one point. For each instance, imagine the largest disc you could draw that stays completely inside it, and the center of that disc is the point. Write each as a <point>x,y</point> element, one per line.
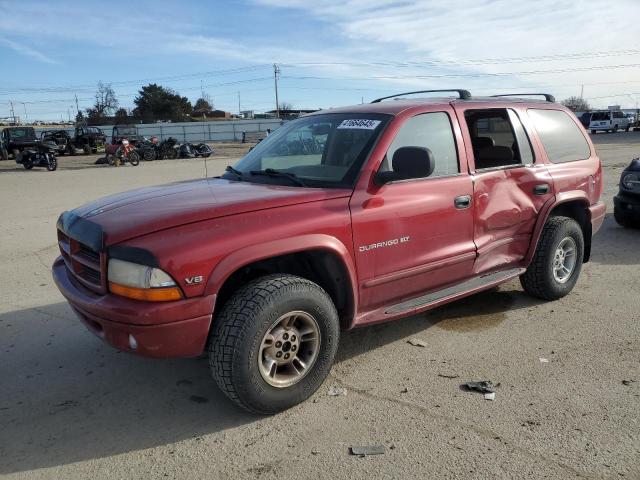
<point>361,123</point>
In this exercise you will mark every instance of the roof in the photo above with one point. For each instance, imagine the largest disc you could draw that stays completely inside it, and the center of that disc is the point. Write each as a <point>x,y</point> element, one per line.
<point>394,107</point>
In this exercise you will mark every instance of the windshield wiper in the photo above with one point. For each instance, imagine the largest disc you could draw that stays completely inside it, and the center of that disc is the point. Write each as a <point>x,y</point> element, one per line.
<point>272,172</point>
<point>236,172</point>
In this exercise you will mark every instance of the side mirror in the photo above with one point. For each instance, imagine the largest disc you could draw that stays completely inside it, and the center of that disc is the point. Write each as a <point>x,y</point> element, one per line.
<point>407,163</point>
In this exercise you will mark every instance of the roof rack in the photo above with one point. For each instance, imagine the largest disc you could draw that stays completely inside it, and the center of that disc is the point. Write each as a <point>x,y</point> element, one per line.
<point>548,97</point>
<point>463,94</point>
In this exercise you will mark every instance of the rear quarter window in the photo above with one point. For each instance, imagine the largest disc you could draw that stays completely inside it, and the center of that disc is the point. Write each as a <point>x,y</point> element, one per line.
<point>562,139</point>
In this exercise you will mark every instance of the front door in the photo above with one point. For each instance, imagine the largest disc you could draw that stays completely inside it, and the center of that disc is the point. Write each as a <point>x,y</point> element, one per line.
<point>415,235</point>
<point>510,186</point>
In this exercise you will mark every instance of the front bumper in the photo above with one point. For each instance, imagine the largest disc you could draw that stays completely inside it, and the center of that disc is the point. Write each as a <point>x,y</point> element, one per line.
<point>597,212</point>
<point>627,204</point>
<point>159,329</point>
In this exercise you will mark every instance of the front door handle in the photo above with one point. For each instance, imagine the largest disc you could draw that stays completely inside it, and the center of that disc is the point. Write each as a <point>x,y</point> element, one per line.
<point>463,201</point>
<point>541,189</point>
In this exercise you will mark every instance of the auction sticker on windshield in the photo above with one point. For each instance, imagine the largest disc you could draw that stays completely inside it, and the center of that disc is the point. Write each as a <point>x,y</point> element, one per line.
<point>360,123</point>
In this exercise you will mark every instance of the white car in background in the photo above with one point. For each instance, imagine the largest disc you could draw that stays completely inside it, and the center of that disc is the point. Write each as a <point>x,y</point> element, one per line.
<point>609,121</point>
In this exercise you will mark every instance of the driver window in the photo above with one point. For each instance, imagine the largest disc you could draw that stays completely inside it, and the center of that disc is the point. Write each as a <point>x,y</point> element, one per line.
<point>432,131</point>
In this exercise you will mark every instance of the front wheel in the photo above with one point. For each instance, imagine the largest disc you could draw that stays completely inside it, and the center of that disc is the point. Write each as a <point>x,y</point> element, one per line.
<point>624,220</point>
<point>557,262</point>
<point>52,163</point>
<point>273,343</point>
<point>593,132</point>
<point>134,159</point>
<point>86,149</point>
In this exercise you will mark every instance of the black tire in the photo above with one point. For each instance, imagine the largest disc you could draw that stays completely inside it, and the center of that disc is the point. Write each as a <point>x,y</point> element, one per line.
<point>627,129</point>
<point>539,279</point>
<point>16,153</point>
<point>238,331</point>
<point>615,129</point>
<point>27,163</point>
<point>624,220</point>
<point>4,154</point>
<point>86,148</point>
<point>52,163</point>
<point>593,132</point>
<point>134,159</point>
<point>172,153</point>
<point>148,154</point>
<point>71,150</point>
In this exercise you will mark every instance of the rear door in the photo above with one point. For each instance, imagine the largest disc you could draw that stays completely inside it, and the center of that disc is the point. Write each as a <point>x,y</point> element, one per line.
<point>415,235</point>
<point>510,184</point>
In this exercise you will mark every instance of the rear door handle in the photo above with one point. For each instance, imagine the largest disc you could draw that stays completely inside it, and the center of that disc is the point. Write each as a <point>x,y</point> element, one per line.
<point>463,201</point>
<point>541,189</point>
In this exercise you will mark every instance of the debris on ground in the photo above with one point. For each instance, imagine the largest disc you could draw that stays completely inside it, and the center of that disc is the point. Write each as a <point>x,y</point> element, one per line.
<point>367,450</point>
<point>404,390</point>
<point>337,391</point>
<point>484,386</point>
<point>416,342</point>
<point>490,396</point>
<point>627,382</point>
<point>544,360</point>
<point>450,377</point>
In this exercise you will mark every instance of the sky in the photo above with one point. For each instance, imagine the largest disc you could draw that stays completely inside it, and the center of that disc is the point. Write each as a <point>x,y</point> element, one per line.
<point>329,52</point>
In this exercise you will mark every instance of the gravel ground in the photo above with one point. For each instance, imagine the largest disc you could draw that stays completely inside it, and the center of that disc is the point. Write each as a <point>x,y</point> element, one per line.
<point>72,407</point>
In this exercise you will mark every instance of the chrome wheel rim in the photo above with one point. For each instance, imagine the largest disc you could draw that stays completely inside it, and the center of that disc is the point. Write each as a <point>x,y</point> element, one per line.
<point>289,349</point>
<point>564,260</point>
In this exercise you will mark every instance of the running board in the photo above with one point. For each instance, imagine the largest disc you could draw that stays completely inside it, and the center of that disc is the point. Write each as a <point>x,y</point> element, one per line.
<point>476,283</point>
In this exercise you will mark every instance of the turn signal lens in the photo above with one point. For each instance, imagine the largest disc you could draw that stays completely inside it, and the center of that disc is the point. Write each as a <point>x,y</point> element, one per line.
<point>146,294</point>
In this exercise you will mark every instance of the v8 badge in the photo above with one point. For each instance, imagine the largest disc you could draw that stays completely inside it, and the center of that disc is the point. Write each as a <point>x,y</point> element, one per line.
<point>194,280</point>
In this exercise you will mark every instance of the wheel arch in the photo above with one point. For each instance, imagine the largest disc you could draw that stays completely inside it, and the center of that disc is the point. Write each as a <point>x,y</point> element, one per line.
<point>320,258</point>
<point>574,204</point>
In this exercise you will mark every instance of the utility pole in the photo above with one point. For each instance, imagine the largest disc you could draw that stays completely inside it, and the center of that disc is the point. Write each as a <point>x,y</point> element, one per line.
<point>239,102</point>
<point>26,117</point>
<point>276,73</point>
<point>77,108</point>
<point>581,90</point>
<point>69,115</point>
<point>13,113</point>
<point>201,89</point>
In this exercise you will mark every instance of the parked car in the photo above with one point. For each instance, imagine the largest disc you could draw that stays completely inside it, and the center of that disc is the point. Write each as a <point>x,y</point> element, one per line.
<point>89,139</point>
<point>585,119</point>
<point>626,204</point>
<point>129,132</point>
<point>407,205</point>
<point>60,138</point>
<point>608,121</point>
<point>16,139</point>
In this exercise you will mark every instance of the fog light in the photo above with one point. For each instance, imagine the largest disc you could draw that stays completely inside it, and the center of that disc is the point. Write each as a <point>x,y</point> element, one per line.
<point>132,342</point>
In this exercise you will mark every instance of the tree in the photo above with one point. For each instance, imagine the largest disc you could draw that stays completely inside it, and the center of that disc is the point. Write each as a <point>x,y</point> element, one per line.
<point>202,105</point>
<point>159,103</point>
<point>121,116</point>
<point>576,104</point>
<point>285,106</point>
<point>80,119</point>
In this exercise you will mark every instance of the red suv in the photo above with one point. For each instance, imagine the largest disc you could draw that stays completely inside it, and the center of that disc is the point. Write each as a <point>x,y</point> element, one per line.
<point>340,219</point>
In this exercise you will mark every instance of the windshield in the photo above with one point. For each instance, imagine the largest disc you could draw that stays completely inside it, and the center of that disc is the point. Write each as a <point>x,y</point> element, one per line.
<point>22,133</point>
<point>125,131</point>
<point>324,150</point>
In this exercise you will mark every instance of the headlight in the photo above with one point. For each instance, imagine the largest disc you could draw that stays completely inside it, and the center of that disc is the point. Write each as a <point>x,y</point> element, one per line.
<point>141,282</point>
<point>631,181</point>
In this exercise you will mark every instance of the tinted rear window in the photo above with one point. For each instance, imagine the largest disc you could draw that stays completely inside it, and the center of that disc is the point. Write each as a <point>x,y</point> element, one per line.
<point>562,139</point>
<point>600,116</point>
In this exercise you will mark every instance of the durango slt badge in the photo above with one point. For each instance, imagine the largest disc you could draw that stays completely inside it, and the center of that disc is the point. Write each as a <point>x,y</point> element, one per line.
<point>386,243</point>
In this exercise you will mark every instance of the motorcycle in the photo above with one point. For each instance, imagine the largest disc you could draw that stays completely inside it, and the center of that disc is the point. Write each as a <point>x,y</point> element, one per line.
<point>125,153</point>
<point>189,150</point>
<point>42,155</point>
<point>148,148</point>
<point>167,149</point>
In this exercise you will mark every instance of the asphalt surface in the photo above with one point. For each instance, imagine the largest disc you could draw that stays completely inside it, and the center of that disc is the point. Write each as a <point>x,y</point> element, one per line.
<point>72,407</point>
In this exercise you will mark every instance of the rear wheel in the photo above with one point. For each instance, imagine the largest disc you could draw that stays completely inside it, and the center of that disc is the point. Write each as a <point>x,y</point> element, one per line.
<point>593,132</point>
<point>4,154</point>
<point>273,343</point>
<point>615,129</point>
<point>27,163</point>
<point>86,148</point>
<point>557,262</point>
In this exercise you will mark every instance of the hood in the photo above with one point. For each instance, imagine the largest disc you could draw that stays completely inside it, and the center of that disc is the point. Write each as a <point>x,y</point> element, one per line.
<point>147,210</point>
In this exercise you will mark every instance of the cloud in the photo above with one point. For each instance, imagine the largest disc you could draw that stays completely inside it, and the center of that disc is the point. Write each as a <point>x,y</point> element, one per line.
<point>27,51</point>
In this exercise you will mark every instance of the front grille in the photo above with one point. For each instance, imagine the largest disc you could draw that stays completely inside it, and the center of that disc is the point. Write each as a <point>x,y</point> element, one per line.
<point>84,263</point>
